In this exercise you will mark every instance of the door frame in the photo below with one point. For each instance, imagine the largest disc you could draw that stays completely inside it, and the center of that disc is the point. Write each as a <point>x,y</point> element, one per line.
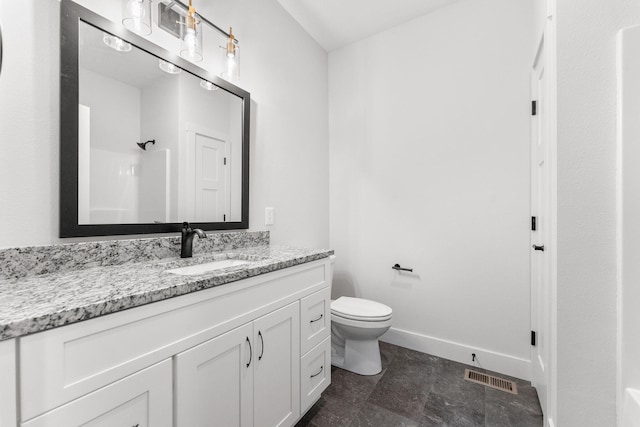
<point>548,38</point>
<point>539,208</point>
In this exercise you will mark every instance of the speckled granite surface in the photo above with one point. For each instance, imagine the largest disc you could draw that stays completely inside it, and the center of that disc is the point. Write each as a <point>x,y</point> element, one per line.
<point>31,304</point>
<point>35,260</point>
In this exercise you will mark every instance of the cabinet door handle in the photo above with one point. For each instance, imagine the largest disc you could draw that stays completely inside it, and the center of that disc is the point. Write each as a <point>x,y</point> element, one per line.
<point>538,248</point>
<point>319,372</point>
<point>250,352</point>
<point>315,320</point>
<point>262,342</point>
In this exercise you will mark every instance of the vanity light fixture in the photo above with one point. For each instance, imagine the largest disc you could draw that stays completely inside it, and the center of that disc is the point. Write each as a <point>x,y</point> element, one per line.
<point>191,35</point>
<point>137,16</point>
<point>168,67</point>
<point>206,85</point>
<point>116,43</point>
<point>190,32</point>
<point>231,59</point>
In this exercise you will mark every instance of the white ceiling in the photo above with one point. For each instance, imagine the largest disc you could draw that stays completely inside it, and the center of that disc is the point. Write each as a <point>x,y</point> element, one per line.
<point>336,23</point>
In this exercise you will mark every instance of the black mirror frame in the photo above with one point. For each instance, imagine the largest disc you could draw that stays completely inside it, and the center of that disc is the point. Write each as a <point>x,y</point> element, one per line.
<point>70,16</point>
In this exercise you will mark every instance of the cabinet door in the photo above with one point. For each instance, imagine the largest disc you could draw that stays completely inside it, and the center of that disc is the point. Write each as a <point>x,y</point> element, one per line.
<point>8,378</point>
<point>214,381</point>
<point>315,373</point>
<point>315,319</point>
<point>140,400</point>
<point>277,369</point>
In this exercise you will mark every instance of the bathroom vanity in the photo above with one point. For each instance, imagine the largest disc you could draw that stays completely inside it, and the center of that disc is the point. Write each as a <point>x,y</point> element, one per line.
<point>238,335</point>
<point>247,345</point>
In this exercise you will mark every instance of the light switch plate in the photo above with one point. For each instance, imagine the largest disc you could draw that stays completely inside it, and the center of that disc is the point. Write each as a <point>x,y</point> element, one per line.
<point>268,216</point>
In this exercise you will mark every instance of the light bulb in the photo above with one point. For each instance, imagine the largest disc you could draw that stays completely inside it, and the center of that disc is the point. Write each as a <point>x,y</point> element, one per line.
<point>230,66</point>
<point>207,85</point>
<point>191,37</point>
<point>168,67</point>
<point>136,7</point>
<point>191,41</point>
<point>116,43</point>
<point>136,17</point>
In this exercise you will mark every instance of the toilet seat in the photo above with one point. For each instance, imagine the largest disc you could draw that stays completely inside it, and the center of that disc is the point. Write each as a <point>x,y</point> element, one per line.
<point>359,309</point>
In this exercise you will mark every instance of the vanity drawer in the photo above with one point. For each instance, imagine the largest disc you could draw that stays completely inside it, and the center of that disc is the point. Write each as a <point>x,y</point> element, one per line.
<point>143,399</point>
<point>315,318</point>
<point>62,364</point>
<point>315,373</point>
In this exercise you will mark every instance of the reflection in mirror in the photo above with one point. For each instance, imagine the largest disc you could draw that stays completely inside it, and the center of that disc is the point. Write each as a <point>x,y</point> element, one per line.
<point>156,144</point>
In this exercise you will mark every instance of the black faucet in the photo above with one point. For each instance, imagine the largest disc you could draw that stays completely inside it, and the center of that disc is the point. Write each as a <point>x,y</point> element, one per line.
<point>186,246</point>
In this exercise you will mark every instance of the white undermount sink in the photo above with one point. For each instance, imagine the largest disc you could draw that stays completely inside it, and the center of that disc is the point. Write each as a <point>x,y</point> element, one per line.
<point>208,267</point>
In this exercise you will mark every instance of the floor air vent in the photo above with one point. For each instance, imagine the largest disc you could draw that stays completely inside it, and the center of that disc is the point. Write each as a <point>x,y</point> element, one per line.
<point>490,381</point>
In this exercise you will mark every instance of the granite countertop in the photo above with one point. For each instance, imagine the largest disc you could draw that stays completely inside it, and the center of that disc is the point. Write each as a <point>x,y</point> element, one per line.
<point>37,303</point>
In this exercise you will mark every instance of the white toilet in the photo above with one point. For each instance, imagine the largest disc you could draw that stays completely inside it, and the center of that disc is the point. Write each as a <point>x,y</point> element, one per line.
<point>356,325</point>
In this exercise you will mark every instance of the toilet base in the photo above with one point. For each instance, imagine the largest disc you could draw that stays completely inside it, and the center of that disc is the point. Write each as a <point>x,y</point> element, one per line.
<point>360,357</point>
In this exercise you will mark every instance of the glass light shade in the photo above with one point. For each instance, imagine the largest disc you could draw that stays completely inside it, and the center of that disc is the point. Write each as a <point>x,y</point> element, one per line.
<point>136,16</point>
<point>231,64</point>
<point>116,43</point>
<point>207,85</point>
<point>168,67</point>
<point>191,45</point>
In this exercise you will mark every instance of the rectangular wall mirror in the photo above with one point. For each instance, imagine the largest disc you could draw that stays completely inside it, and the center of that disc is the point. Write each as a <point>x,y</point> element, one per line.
<point>148,140</point>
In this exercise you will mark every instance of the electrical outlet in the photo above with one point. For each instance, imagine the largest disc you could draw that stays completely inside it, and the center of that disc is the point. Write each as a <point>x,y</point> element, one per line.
<point>268,216</point>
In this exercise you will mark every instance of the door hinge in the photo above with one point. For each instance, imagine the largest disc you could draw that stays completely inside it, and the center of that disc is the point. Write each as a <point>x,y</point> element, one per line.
<point>534,108</point>
<point>533,223</point>
<point>225,161</point>
<point>533,338</point>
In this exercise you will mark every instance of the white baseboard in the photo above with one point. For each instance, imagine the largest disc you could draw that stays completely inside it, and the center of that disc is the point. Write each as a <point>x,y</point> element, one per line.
<point>486,359</point>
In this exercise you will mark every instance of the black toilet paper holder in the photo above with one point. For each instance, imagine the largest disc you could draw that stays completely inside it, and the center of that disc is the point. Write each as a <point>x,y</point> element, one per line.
<point>397,267</point>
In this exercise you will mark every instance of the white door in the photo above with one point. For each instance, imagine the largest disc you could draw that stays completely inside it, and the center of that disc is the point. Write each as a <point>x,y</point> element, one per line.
<point>210,179</point>
<point>214,381</point>
<point>207,166</point>
<point>276,382</point>
<point>540,236</point>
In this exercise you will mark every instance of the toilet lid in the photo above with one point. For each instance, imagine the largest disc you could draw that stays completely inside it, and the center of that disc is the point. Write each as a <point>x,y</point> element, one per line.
<point>360,309</point>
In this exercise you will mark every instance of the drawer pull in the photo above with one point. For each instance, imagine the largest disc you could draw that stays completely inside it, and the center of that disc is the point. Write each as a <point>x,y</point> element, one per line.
<point>250,352</point>
<point>262,342</point>
<point>137,425</point>
<point>315,320</point>
<point>319,372</point>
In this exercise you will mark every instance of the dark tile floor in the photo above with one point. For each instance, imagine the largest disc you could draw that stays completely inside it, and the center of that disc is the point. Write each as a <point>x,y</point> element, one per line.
<point>417,389</point>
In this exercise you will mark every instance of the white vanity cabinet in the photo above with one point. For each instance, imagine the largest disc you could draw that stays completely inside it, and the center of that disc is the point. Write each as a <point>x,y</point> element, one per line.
<point>276,382</point>
<point>143,399</point>
<point>315,342</point>
<point>246,377</point>
<point>255,352</point>
<point>214,381</point>
<point>8,385</point>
